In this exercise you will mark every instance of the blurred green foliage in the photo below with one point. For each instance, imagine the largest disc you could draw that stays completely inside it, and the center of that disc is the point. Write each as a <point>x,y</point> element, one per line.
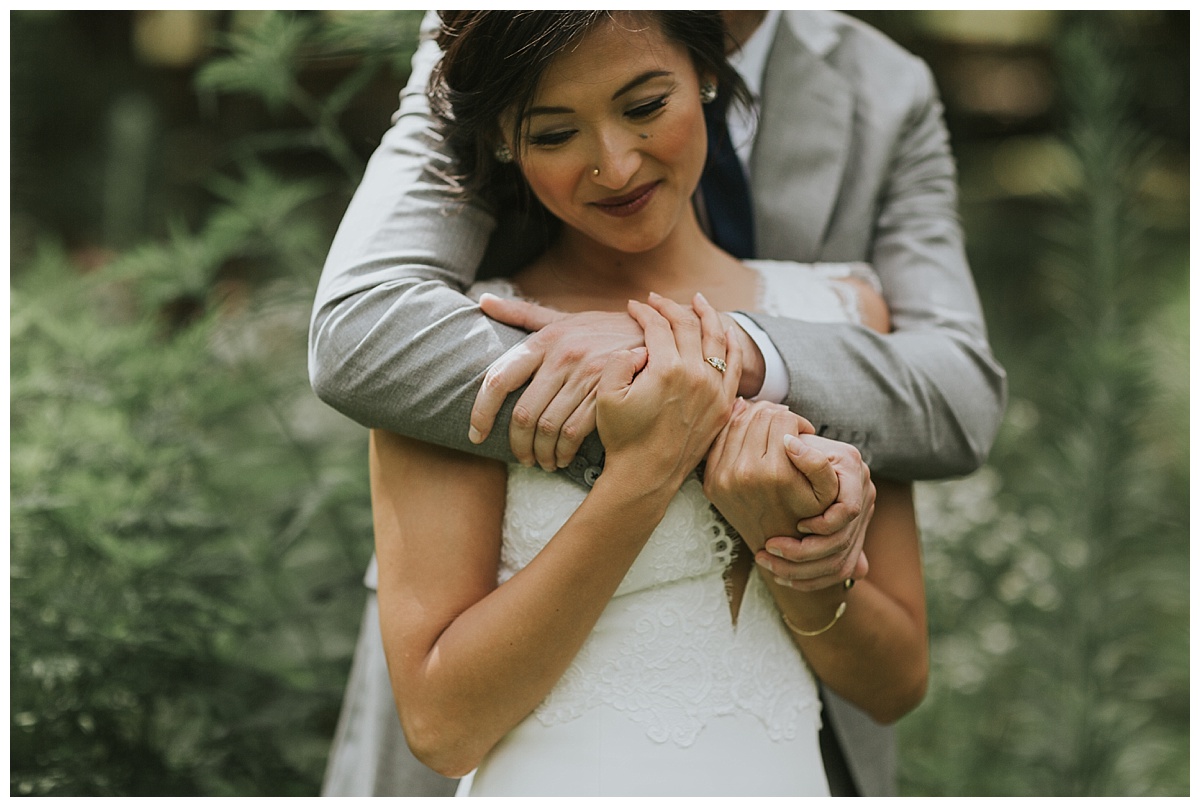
<point>183,543</point>
<point>1057,576</point>
<point>189,526</point>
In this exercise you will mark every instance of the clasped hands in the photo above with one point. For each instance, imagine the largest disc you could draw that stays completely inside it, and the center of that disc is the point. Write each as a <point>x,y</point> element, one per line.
<point>801,502</point>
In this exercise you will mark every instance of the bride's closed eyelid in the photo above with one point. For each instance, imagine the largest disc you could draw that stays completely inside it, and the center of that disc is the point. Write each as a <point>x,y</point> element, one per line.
<point>640,111</point>
<point>648,108</point>
<point>550,138</point>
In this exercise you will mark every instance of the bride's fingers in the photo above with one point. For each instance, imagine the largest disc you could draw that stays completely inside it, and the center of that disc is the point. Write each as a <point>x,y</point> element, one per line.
<point>620,370</point>
<point>779,426</point>
<point>733,362</point>
<point>717,452</point>
<point>733,437</point>
<point>684,324</point>
<point>712,330</point>
<point>660,339</point>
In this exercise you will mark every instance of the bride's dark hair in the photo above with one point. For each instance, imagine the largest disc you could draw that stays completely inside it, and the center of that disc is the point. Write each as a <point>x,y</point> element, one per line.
<point>493,61</point>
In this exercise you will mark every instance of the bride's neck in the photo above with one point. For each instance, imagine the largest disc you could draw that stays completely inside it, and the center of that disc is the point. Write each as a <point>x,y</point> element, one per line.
<point>578,268</point>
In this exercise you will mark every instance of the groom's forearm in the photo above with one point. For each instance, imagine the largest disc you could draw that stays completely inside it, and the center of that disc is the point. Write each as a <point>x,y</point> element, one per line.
<point>407,357</point>
<point>926,400</point>
<point>394,343</point>
<point>919,404</point>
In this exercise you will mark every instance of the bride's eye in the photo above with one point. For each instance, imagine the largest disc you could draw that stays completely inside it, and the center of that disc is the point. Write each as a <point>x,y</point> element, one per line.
<point>643,111</point>
<point>550,138</point>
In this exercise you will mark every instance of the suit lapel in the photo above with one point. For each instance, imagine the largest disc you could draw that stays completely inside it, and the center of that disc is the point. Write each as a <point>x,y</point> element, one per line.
<point>801,148</point>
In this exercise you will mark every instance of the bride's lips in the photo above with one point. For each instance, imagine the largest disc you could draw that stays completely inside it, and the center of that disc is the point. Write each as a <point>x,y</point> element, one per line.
<point>627,204</point>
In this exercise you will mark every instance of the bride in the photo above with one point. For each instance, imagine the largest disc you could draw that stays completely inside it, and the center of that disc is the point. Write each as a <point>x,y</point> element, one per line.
<point>544,639</point>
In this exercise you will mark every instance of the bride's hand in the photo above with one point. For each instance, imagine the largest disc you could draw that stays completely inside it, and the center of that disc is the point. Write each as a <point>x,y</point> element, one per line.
<point>659,410</point>
<point>754,482</point>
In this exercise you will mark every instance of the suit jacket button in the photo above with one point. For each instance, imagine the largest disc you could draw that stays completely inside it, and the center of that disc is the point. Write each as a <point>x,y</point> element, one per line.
<point>591,475</point>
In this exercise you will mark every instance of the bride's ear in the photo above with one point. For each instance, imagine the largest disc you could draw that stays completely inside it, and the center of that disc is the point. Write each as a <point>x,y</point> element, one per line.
<point>505,150</point>
<point>503,153</point>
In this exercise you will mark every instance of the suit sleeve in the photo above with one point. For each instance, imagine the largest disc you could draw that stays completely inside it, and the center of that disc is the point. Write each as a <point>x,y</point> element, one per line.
<point>394,343</point>
<point>925,401</point>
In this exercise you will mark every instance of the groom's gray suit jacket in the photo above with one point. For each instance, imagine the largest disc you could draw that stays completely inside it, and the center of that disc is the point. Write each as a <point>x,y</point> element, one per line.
<point>851,162</point>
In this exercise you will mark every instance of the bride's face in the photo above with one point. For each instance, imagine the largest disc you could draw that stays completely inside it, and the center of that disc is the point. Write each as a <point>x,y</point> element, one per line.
<point>614,142</point>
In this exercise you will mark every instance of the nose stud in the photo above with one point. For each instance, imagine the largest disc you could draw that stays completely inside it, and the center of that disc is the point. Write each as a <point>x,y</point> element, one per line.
<point>595,172</point>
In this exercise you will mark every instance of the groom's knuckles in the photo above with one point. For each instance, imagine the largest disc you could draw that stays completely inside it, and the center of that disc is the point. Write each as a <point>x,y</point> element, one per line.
<point>512,370</point>
<point>588,371</point>
<point>524,420</point>
<point>571,435</point>
<point>562,353</point>
<point>578,426</point>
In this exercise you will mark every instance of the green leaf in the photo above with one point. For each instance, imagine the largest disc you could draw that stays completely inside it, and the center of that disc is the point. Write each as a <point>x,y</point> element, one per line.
<point>263,60</point>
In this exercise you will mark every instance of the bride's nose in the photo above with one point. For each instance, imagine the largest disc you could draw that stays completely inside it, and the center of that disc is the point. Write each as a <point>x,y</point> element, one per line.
<point>617,158</point>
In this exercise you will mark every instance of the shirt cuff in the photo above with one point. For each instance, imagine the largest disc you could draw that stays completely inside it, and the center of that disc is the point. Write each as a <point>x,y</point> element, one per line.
<point>775,385</point>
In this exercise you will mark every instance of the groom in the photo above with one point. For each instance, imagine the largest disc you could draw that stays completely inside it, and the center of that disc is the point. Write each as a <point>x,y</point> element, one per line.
<point>848,162</point>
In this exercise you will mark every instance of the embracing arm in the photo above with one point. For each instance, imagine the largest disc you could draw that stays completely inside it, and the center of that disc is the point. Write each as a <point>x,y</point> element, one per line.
<point>924,401</point>
<point>394,343</point>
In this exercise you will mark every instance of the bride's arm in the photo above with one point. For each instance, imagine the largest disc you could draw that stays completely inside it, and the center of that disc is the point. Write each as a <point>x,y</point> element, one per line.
<point>875,653</point>
<point>819,493</point>
<point>469,659</point>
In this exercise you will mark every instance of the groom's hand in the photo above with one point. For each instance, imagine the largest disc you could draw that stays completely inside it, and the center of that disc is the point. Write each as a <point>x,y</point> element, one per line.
<point>562,361</point>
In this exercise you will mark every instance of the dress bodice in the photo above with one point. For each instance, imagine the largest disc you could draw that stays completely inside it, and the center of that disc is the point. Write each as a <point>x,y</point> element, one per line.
<point>666,652</point>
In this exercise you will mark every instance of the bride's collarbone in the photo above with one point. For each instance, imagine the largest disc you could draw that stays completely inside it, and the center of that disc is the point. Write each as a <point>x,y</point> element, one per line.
<point>573,291</point>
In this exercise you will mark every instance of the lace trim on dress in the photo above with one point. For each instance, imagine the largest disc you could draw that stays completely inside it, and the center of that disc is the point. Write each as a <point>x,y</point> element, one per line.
<point>497,286</point>
<point>804,291</point>
<point>665,652</point>
<point>786,289</point>
<point>690,541</point>
<point>684,664</point>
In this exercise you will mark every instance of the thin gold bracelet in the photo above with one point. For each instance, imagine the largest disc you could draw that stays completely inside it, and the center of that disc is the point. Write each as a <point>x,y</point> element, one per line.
<point>801,632</point>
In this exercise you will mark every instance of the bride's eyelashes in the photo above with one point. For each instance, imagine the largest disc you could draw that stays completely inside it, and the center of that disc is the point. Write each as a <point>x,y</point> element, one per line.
<point>647,110</point>
<point>642,112</point>
<point>550,139</point>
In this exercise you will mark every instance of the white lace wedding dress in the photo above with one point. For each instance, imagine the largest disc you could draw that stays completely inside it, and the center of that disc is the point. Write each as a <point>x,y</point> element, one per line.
<point>668,696</point>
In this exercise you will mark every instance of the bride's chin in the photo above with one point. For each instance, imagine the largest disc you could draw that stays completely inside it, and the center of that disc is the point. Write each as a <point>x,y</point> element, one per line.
<point>634,243</point>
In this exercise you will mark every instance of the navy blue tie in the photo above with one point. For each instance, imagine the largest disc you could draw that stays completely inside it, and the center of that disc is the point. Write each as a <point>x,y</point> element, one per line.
<point>726,192</point>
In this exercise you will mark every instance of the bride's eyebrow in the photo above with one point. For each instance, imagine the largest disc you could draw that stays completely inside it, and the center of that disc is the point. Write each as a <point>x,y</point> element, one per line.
<point>642,79</point>
<point>627,87</point>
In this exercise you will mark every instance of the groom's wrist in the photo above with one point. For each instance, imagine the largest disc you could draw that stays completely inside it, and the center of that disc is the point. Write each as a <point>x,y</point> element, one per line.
<point>764,375</point>
<point>753,366</point>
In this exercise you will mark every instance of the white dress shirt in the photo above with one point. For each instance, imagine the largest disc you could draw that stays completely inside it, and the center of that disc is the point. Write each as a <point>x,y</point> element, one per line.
<point>751,62</point>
